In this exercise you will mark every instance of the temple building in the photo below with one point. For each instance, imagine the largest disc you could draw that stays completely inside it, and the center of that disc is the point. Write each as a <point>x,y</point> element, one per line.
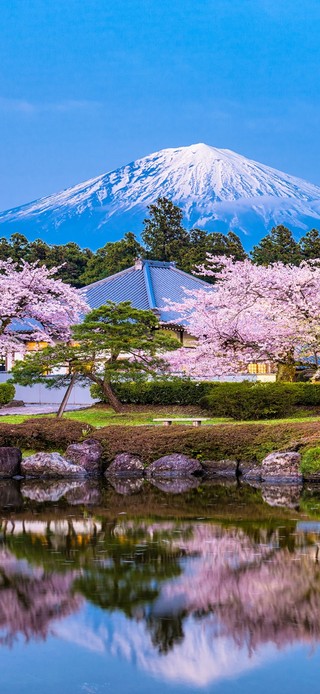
<point>148,284</point>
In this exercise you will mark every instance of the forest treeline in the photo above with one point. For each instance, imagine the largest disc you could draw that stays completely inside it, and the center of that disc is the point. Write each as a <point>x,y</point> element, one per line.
<point>163,237</point>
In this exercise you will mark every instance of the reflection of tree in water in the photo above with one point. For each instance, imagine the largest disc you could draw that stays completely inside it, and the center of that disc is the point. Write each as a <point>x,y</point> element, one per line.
<point>166,631</point>
<point>254,585</point>
<point>31,599</point>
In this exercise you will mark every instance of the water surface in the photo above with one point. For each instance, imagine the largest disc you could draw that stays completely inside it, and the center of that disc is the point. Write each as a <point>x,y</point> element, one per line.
<point>213,588</point>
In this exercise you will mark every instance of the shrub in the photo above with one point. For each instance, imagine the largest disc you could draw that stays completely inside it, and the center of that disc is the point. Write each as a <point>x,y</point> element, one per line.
<point>307,394</point>
<point>247,400</point>
<point>249,442</point>
<point>43,433</point>
<point>173,391</point>
<point>310,462</point>
<point>7,392</point>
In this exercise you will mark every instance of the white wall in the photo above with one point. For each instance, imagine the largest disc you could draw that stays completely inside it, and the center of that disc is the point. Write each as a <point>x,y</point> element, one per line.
<point>39,394</point>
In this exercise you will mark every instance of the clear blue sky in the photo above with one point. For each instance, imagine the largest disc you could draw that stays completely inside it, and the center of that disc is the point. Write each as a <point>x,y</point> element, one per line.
<point>88,85</point>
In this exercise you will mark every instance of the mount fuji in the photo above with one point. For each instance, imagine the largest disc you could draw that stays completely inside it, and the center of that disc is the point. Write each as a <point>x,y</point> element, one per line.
<point>217,190</point>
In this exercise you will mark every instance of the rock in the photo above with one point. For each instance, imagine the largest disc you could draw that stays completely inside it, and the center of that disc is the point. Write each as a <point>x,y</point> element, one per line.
<point>287,495</point>
<point>126,487</point>
<point>10,459</point>
<point>174,465</point>
<point>46,490</point>
<point>86,492</point>
<point>178,485</point>
<point>251,473</point>
<point>125,465</point>
<point>50,465</point>
<point>10,496</point>
<point>223,468</point>
<point>15,403</point>
<point>86,454</point>
<point>281,466</point>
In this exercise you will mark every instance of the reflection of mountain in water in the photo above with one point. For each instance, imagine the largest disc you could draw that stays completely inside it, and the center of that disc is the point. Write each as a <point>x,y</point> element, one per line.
<point>186,601</point>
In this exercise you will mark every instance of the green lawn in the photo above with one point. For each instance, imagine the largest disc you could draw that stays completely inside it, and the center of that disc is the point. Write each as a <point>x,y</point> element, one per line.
<point>104,416</point>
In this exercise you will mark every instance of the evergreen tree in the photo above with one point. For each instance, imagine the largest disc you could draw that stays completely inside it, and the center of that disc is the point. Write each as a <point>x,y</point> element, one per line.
<point>113,342</point>
<point>278,246</point>
<point>112,258</point>
<point>214,243</point>
<point>163,235</point>
<point>310,245</point>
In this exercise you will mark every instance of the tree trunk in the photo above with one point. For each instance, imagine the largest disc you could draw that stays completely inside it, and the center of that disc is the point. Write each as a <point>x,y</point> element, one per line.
<point>113,400</point>
<point>286,372</point>
<point>66,397</point>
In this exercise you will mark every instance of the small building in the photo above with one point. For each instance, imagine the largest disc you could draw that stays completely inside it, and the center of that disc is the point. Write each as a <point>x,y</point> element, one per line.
<point>148,284</point>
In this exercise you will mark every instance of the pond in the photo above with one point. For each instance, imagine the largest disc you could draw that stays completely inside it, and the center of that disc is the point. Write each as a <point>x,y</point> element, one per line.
<point>213,589</point>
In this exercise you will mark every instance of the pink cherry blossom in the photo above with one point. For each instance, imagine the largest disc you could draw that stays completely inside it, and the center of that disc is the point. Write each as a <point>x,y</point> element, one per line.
<point>35,306</point>
<point>252,314</point>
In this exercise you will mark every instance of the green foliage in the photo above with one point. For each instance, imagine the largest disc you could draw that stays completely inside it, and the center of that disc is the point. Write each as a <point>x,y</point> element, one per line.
<point>164,236</point>
<point>310,462</point>
<point>310,245</point>
<point>307,394</point>
<point>112,258</point>
<point>250,400</point>
<point>278,246</point>
<point>173,391</point>
<point>72,259</point>
<point>115,342</point>
<point>7,392</point>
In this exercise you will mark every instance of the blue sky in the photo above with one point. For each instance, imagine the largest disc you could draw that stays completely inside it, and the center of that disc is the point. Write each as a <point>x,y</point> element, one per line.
<point>88,85</point>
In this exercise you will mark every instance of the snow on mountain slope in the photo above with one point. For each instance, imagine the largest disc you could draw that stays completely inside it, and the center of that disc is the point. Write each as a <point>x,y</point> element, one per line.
<point>216,188</point>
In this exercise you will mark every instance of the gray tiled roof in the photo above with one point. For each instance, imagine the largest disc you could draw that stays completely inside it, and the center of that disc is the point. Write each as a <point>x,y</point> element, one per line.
<point>148,284</point>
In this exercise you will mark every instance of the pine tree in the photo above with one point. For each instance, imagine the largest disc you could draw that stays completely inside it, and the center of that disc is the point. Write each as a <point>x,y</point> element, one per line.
<point>278,246</point>
<point>163,235</point>
<point>214,243</point>
<point>112,258</point>
<point>310,245</point>
<point>113,342</point>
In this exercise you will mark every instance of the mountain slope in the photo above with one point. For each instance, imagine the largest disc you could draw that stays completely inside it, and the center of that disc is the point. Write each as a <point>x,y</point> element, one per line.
<point>217,189</point>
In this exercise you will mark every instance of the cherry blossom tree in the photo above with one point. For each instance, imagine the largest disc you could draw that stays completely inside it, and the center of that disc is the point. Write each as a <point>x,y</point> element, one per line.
<point>35,306</point>
<point>252,314</point>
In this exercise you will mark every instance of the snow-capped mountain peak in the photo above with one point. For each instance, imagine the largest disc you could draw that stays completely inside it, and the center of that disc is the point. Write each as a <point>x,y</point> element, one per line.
<point>216,188</point>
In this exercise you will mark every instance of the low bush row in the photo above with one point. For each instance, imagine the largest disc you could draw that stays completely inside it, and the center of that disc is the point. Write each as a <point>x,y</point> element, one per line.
<point>7,391</point>
<point>251,442</point>
<point>255,400</point>
<point>174,391</point>
<point>244,400</point>
<point>43,433</point>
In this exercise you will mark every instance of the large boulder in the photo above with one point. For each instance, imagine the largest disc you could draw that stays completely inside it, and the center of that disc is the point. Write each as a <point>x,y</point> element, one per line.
<point>10,459</point>
<point>281,466</point>
<point>223,468</point>
<point>174,465</point>
<point>86,454</point>
<point>125,465</point>
<point>50,465</point>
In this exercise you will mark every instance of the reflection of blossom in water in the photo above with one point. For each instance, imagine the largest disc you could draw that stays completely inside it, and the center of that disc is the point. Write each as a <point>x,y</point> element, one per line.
<point>30,599</point>
<point>258,592</point>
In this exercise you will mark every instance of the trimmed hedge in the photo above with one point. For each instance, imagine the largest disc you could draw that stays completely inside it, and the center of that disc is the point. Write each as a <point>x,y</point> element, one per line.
<point>7,392</point>
<point>174,391</point>
<point>251,442</point>
<point>247,400</point>
<point>43,433</point>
